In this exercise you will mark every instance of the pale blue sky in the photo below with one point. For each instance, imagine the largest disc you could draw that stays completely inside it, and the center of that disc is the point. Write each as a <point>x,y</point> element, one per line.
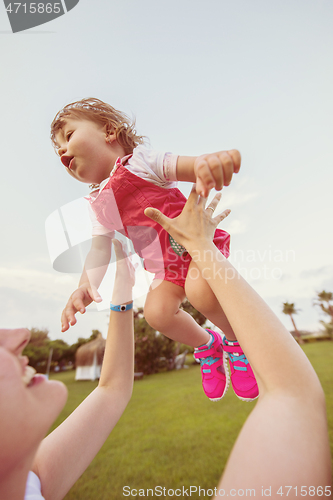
<point>199,77</point>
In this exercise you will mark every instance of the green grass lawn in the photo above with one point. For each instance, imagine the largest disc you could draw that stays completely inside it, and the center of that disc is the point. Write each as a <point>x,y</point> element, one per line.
<point>170,434</point>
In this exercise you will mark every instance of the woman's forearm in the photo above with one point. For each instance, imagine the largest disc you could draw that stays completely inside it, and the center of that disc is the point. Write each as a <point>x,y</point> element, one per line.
<point>118,363</point>
<point>68,450</point>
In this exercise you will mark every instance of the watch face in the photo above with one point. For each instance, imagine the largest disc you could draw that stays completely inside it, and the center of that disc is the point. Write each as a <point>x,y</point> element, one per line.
<point>123,308</point>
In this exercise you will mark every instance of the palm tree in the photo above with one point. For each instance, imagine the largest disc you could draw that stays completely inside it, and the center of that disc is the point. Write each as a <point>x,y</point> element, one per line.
<point>289,309</point>
<point>325,298</point>
<point>324,301</point>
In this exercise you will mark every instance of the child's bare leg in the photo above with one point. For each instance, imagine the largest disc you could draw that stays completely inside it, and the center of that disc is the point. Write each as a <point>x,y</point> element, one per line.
<point>163,314</point>
<point>203,299</point>
<point>201,296</point>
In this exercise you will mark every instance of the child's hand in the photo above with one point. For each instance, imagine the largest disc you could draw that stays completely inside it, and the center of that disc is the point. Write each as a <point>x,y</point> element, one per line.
<point>77,302</point>
<point>215,170</point>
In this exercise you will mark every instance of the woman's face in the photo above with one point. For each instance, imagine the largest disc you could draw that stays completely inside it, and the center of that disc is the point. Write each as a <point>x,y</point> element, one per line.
<point>28,404</point>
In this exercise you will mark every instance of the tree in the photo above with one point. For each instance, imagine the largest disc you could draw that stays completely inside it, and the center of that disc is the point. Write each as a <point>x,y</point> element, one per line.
<point>199,318</point>
<point>94,335</point>
<point>152,350</point>
<point>60,351</point>
<point>325,301</point>
<point>39,338</point>
<point>38,349</point>
<point>328,328</point>
<point>289,309</point>
<point>70,354</point>
<point>196,315</point>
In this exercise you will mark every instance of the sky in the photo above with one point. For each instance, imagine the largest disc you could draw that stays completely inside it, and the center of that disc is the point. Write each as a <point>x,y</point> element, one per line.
<point>198,76</point>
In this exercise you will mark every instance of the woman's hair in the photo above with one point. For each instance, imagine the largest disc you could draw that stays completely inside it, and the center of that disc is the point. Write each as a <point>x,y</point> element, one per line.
<point>102,113</point>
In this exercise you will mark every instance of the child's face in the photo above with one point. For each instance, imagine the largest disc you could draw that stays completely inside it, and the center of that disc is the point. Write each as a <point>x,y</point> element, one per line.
<point>86,150</point>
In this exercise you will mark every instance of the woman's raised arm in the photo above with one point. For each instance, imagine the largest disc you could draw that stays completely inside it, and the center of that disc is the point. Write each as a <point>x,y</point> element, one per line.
<point>284,441</point>
<point>65,454</point>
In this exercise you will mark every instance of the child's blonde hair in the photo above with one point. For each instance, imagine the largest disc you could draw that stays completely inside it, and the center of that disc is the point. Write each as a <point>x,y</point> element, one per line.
<point>102,113</point>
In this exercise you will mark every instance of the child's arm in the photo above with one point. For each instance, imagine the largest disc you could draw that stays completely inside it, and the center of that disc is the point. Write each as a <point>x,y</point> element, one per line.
<point>95,267</point>
<point>68,450</point>
<point>209,171</point>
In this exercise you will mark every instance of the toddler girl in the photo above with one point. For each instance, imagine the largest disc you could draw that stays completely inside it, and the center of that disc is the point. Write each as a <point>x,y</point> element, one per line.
<point>98,145</point>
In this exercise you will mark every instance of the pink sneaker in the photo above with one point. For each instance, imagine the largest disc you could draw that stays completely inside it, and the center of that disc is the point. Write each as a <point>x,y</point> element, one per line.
<point>215,380</point>
<point>242,378</point>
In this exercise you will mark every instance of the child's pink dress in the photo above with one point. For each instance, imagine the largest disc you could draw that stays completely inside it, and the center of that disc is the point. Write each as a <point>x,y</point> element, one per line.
<point>119,206</point>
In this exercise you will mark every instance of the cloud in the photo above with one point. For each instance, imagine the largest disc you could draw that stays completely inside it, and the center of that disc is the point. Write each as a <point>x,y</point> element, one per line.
<point>236,198</point>
<point>33,309</point>
<point>54,285</point>
<point>234,227</point>
<point>23,308</point>
<point>318,279</point>
<point>307,317</point>
<point>310,273</point>
<point>326,284</point>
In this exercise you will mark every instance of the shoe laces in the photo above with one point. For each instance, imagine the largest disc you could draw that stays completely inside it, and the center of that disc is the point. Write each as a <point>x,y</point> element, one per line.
<point>238,357</point>
<point>210,360</point>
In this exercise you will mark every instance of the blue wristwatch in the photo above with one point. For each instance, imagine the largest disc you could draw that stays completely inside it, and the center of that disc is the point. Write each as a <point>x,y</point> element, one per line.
<point>122,307</point>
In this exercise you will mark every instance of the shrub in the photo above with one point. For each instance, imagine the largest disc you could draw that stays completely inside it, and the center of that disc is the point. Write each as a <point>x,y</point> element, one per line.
<point>152,349</point>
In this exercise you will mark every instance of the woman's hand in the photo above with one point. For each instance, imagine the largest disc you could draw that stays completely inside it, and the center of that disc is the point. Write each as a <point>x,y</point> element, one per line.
<point>195,226</point>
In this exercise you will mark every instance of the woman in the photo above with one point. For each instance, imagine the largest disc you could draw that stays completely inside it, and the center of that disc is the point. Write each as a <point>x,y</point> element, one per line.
<point>283,444</point>
<point>29,405</point>
<point>283,447</point>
